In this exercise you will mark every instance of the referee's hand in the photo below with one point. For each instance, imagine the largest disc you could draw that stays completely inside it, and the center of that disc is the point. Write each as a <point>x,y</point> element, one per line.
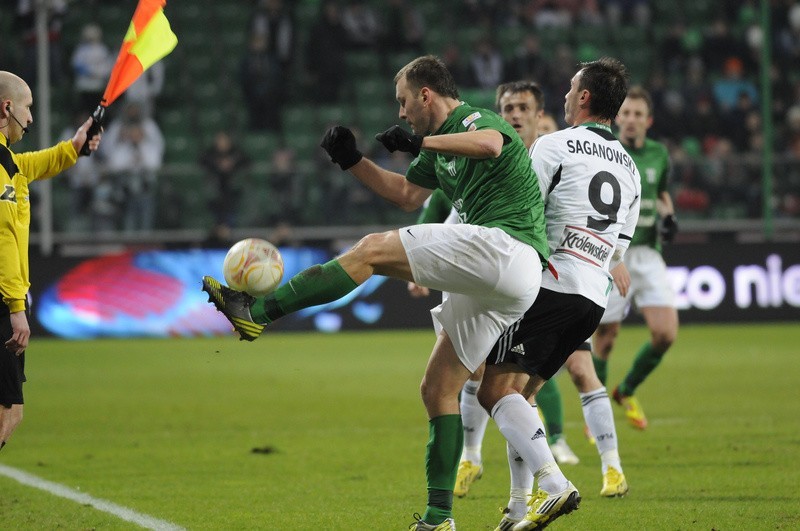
<point>20,333</point>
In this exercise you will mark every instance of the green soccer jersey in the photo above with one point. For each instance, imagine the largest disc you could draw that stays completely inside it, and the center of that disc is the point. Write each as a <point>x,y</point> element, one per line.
<point>652,161</point>
<point>497,192</point>
<point>436,209</point>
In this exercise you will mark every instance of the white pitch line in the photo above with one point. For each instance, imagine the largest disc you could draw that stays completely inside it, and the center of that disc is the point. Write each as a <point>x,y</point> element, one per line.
<point>129,515</point>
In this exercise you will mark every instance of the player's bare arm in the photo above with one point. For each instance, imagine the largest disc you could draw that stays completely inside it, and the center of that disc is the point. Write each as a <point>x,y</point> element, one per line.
<point>392,186</point>
<point>482,144</point>
<point>664,204</point>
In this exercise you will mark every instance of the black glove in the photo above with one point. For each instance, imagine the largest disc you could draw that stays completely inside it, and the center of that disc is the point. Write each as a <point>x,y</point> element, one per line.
<point>340,144</point>
<point>398,139</point>
<point>668,228</point>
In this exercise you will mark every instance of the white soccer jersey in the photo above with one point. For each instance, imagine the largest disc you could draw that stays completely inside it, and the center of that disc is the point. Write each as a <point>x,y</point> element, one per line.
<point>590,186</point>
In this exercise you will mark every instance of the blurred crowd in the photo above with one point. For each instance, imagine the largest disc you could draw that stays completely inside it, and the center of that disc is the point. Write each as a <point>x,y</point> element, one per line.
<point>701,64</point>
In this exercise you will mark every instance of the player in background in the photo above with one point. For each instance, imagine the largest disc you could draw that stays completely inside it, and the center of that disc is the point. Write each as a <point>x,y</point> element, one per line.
<point>16,173</point>
<point>591,191</point>
<point>650,288</point>
<point>521,104</point>
<point>489,265</point>
<point>547,124</point>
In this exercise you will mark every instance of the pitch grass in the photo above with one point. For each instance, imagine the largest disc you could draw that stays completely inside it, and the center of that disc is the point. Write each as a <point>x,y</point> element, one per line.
<point>168,428</point>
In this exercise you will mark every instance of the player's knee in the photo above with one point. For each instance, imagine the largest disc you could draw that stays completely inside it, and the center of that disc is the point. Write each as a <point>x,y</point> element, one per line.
<point>604,339</point>
<point>662,340</point>
<point>366,248</point>
<point>488,396</point>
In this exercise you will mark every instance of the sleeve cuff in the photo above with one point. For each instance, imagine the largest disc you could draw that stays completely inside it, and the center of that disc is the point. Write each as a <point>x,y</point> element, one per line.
<point>16,305</point>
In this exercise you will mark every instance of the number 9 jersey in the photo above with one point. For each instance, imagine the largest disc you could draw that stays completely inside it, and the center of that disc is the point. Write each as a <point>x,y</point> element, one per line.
<point>591,188</point>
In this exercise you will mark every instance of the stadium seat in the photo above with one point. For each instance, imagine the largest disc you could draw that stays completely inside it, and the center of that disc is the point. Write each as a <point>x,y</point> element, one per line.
<point>363,63</point>
<point>259,146</point>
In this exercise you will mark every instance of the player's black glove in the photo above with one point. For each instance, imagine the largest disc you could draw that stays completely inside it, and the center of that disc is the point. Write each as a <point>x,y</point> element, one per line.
<point>668,228</point>
<point>398,139</point>
<point>340,144</point>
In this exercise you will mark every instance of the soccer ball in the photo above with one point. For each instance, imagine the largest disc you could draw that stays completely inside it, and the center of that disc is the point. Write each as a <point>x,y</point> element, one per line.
<point>253,266</point>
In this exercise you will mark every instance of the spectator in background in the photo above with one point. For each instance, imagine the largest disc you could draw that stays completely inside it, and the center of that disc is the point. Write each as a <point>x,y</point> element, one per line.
<point>146,89</point>
<point>404,27</point>
<point>729,88</point>
<point>91,66</point>
<point>273,21</point>
<point>702,121</point>
<point>695,86</point>
<point>26,20</point>
<point>224,162</point>
<point>672,51</point>
<point>262,85</point>
<point>82,179</point>
<point>719,46</point>
<point>361,25</point>
<point>325,54</point>
<point>134,157</point>
<point>736,122</point>
<point>284,187</point>
<point>787,43</point>
<point>486,65</point>
<point>619,12</point>
<point>451,57</point>
<point>552,14</point>
<point>527,61</point>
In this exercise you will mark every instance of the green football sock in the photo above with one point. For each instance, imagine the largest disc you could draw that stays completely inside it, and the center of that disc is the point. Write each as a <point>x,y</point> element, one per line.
<point>601,368</point>
<point>549,401</point>
<point>441,465</point>
<point>316,285</point>
<point>647,359</point>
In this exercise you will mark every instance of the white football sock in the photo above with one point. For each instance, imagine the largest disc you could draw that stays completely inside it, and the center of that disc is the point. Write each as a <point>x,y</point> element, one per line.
<point>522,427</point>
<point>600,418</point>
<point>474,418</point>
<point>521,483</point>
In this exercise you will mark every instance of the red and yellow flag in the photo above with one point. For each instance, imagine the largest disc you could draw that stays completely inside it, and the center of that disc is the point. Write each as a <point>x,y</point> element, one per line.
<point>149,38</point>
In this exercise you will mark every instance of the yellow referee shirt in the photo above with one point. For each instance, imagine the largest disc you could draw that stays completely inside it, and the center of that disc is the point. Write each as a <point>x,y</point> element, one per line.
<point>16,172</point>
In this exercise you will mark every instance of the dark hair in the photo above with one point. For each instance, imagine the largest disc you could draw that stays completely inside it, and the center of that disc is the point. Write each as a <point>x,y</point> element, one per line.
<point>607,81</point>
<point>638,92</point>
<point>429,71</point>
<point>515,87</point>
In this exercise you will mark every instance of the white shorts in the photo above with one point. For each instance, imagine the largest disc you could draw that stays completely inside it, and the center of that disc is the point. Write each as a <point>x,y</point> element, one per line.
<point>488,280</point>
<point>650,285</point>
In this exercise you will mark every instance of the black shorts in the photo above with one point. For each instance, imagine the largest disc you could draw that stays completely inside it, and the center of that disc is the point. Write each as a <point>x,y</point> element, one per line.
<point>553,328</point>
<point>12,367</point>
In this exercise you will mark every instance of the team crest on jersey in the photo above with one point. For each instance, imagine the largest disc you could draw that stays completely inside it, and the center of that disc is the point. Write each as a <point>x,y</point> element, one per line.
<point>652,175</point>
<point>467,122</point>
<point>585,245</point>
<point>9,194</point>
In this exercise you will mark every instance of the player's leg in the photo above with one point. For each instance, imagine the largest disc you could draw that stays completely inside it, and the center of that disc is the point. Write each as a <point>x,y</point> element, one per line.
<point>655,299</point>
<point>12,375</point>
<point>523,429</point>
<point>599,418</point>
<point>444,377</point>
<point>10,418</point>
<point>605,336</point>
<point>663,324</point>
<point>548,400</point>
<point>475,419</point>
<point>375,253</point>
